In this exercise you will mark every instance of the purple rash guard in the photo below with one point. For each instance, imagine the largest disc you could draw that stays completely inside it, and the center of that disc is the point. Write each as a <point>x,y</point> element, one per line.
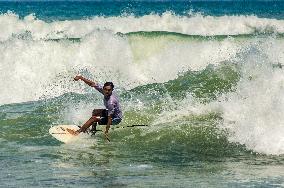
<point>111,103</point>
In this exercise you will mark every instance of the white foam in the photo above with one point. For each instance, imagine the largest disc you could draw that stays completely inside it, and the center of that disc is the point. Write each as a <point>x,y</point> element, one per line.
<point>192,24</point>
<point>253,114</point>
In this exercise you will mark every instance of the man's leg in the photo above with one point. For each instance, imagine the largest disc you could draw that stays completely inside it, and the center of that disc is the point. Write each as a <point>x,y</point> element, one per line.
<point>89,123</point>
<point>96,114</point>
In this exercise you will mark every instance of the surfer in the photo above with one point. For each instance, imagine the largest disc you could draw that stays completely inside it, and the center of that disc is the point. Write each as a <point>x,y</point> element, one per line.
<point>112,115</point>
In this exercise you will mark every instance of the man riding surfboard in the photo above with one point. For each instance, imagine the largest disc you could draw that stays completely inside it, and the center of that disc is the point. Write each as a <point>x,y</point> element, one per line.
<point>111,115</point>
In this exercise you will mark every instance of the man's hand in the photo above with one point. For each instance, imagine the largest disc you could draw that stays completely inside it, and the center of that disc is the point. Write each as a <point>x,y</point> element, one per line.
<point>77,78</point>
<point>89,82</point>
<point>106,135</point>
<point>107,128</point>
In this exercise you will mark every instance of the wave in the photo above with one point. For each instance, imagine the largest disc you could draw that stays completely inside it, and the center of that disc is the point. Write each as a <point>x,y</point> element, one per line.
<point>244,110</point>
<point>253,113</point>
<point>34,69</point>
<point>194,24</point>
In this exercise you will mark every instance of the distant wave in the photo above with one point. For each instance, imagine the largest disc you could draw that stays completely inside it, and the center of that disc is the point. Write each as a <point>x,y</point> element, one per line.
<point>195,25</point>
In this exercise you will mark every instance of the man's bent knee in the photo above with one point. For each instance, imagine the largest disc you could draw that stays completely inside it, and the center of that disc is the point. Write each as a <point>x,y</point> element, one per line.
<point>97,112</point>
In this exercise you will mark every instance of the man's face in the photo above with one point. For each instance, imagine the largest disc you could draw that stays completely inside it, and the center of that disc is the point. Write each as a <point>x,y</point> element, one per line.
<point>107,90</point>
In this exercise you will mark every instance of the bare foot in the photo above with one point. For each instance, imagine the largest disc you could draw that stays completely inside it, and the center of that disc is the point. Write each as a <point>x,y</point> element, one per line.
<point>75,133</point>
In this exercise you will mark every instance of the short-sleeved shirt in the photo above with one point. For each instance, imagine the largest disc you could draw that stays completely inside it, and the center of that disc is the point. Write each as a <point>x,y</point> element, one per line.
<point>111,103</point>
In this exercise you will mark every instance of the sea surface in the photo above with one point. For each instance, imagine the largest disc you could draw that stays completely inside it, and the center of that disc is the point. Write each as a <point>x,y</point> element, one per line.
<point>206,77</point>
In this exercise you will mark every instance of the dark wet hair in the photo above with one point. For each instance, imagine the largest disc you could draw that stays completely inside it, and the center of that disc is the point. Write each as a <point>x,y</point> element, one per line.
<point>109,84</point>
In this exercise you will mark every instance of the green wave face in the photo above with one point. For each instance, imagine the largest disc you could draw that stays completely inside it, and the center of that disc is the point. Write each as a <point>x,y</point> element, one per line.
<point>204,85</point>
<point>145,44</point>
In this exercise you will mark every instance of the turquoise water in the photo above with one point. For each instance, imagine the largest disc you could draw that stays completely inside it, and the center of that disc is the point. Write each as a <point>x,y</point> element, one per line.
<point>62,10</point>
<point>206,77</point>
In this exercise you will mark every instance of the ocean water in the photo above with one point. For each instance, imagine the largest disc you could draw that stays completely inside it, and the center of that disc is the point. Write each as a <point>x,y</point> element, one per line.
<point>206,77</point>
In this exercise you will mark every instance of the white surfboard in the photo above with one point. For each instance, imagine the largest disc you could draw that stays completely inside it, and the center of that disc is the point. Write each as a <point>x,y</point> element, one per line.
<point>60,133</point>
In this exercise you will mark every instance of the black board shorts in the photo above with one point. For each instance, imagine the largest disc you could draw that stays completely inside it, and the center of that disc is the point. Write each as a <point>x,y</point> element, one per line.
<point>104,118</point>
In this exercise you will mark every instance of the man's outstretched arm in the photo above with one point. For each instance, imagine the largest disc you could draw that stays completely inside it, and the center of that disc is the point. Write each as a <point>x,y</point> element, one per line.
<point>89,82</point>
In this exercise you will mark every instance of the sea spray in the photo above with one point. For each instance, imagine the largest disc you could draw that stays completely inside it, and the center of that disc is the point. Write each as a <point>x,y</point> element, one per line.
<point>253,112</point>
